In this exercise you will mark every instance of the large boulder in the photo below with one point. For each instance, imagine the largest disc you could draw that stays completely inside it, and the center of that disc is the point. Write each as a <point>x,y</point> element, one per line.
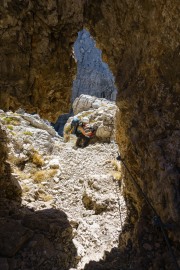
<point>100,112</point>
<point>13,236</point>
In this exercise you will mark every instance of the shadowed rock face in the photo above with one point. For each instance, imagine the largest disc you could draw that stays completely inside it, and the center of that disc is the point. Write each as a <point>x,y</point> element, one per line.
<point>36,55</point>
<point>4,169</point>
<point>142,49</point>
<point>139,40</point>
<point>3,148</point>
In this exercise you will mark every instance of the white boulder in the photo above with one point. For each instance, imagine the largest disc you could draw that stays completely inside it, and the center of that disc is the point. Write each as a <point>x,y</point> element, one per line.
<point>100,112</point>
<point>54,164</point>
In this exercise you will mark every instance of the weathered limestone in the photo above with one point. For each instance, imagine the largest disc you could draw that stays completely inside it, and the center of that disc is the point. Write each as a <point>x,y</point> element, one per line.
<point>36,55</point>
<point>142,49</point>
<point>3,147</point>
<point>93,76</point>
<point>140,42</point>
<point>100,113</point>
<point>66,214</point>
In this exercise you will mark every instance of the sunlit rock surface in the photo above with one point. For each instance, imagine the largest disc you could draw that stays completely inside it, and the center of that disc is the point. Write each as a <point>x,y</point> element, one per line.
<point>93,76</point>
<point>64,214</point>
<point>100,113</point>
<point>140,42</point>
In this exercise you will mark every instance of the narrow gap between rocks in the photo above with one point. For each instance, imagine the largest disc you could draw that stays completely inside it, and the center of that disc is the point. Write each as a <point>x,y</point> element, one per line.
<point>53,178</point>
<point>93,76</point>
<point>63,195</point>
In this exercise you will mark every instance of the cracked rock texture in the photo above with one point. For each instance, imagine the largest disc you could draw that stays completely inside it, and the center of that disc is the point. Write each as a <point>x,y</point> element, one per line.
<point>101,114</point>
<point>142,49</point>
<point>36,54</point>
<point>140,42</point>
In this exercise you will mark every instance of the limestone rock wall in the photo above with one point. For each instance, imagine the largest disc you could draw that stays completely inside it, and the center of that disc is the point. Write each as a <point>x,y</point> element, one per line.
<point>142,49</point>
<point>93,76</point>
<point>3,148</point>
<point>140,42</point>
<point>4,172</point>
<point>36,54</point>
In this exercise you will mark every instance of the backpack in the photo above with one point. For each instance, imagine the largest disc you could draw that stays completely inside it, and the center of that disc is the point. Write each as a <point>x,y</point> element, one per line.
<point>90,129</point>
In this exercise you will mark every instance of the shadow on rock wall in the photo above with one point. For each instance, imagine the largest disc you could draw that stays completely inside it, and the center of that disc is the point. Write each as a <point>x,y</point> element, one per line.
<point>30,240</point>
<point>34,240</point>
<point>137,256</point>
<point>147,251</point>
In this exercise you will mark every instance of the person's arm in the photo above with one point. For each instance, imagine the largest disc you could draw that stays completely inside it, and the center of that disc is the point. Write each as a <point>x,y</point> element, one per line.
<point>83,131</point>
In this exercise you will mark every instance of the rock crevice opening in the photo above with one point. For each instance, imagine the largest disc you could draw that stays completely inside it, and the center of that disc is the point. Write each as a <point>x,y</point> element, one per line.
<point>140,42</point>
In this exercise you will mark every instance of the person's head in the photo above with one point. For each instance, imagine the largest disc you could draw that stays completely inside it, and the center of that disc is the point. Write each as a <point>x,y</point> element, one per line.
<point>85,120</point>
<point>75,121</point>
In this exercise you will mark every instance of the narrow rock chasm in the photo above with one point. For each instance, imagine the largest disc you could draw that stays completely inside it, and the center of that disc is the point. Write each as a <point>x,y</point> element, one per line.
<point>140,43</point>
<point>93,75</point>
